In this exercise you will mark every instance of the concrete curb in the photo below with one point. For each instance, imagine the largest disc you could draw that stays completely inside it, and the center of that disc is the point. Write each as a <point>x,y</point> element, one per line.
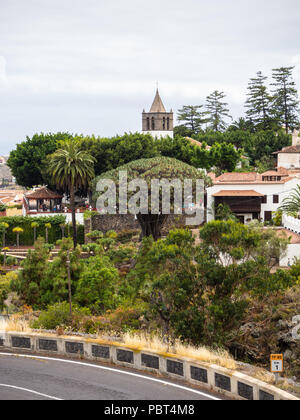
<point>212,377</point>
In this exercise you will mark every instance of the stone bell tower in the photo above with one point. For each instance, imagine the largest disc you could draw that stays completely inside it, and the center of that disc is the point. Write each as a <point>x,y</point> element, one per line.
<point>158,122</point>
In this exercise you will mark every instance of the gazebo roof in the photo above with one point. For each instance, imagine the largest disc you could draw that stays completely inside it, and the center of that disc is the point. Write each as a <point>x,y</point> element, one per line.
<point>43,194</point>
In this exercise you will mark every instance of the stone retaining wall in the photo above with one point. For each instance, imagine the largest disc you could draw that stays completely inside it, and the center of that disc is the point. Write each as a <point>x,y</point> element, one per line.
<point>118,223</point>
<point>212,377</point>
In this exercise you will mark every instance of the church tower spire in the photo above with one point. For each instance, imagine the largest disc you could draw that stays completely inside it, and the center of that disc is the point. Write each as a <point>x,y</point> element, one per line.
<point>158,122</point>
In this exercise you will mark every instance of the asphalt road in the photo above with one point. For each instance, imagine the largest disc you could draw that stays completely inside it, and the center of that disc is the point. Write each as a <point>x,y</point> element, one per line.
<point>35,378</point>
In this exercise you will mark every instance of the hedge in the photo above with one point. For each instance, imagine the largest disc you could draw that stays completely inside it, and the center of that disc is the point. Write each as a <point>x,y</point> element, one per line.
<point>26,238</point>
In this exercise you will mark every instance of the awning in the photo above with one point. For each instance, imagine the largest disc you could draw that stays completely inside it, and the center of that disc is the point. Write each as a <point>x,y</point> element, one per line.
<point>238,193</point>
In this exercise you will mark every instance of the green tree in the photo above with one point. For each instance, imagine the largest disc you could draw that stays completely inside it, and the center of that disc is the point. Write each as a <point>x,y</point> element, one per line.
<point>110,153</point>
<point>259,102</point>
<point>71,169</point>
<point>147,170</point>
<point>286,101</point>
<point>193,117</point>
<point>97,285</point>
<point>217,111</point>
<point>224,156</point>
<point>27,161</point>
<point>34,267</point>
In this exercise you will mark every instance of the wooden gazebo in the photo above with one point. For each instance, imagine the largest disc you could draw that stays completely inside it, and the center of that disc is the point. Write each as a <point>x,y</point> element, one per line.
<point>43,200</point>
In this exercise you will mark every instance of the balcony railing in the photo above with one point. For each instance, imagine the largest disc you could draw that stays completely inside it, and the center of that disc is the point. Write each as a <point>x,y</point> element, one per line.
<point>291,223</point>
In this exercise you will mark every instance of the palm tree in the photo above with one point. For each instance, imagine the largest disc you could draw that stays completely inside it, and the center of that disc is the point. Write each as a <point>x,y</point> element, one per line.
<point>71,169</point>
<point>291,204</point>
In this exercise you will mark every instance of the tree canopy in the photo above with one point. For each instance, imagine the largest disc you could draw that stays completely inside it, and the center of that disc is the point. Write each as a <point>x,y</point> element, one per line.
<point>148,170</point>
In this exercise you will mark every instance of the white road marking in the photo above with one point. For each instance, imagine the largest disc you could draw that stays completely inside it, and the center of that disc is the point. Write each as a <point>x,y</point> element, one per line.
<point>194,391</point>
<point>30,391</point>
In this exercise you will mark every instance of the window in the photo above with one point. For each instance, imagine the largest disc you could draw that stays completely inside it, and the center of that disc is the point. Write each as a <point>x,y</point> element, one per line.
<point>148,123</point>
<point>275,199</point>
<point>153,123</point>
<point>168,123</point>
<point>268,216</point>
<point>264,199</point>
<point>164,123</point>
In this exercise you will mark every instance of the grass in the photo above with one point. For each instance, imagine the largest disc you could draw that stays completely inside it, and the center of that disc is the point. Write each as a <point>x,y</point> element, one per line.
<point>203,354</point>
<point>15,323</point>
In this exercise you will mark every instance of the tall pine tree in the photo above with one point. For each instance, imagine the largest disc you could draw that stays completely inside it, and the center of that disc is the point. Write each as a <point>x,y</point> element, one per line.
<point>286,101</point>
<point>259,103</point>
<point>192,116</point>
<point>217,111</point>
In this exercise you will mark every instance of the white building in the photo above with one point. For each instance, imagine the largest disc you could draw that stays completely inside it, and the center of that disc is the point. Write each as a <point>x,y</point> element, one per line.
<point>289,157</point>
<point>250,196</point>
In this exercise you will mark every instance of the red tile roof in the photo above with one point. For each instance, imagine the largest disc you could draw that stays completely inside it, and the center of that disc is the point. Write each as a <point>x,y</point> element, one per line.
<point>238,193</point>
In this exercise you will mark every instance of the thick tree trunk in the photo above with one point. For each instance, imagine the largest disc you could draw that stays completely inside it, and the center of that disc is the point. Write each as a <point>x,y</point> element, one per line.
<point>72,202</point>
<point>152,224</point>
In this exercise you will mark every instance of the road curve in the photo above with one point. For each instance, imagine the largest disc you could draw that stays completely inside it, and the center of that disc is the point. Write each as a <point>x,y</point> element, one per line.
<point>30,377</point>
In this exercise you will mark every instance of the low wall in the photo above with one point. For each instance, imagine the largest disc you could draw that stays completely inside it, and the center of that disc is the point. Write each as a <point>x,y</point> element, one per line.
<point>212,377</point>
<point>120,222</point>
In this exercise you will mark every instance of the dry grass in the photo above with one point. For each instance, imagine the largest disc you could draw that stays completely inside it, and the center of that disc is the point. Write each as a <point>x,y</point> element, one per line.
<point>15,323</point>
<point>203,354</point>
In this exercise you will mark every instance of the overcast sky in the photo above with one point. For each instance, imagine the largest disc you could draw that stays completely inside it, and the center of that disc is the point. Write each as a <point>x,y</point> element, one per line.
<point>91,66</point>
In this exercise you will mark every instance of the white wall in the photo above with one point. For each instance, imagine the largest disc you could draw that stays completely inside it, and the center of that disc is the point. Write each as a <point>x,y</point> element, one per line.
<point>159,134</point>
<point>293,251</point>
<point>79,216</point>
<point>286,160</point>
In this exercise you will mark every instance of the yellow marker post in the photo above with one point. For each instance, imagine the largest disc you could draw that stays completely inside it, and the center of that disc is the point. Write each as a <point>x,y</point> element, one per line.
<point>277,365</point>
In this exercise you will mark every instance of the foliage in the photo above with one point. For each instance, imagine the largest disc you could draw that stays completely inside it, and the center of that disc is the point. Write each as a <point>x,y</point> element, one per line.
<point>229,242</point>
<point>259,103</point>
<point>193,117</point>
<point>148,170</point>
<point>58,315</point>
<point>96,288</point>
<point>286,101</point>
<point>217,111</point>
<point>291,204</point>
<point>25,224</point>
<point>199,293</point>
<point>27,161</point>
<point>71,168</point>
<point>41,282</point>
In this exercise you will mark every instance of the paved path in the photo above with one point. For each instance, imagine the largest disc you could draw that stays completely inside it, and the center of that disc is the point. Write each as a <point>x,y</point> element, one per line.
<point>25,377</point>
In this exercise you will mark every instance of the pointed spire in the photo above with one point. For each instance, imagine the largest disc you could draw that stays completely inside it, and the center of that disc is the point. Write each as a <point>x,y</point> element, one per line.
<point>157,105</point>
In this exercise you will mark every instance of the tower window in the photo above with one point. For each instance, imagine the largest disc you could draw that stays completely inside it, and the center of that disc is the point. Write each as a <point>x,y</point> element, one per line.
<point>168,123</point>
<point>164,123</point>
<point>148,123</point>
<point>153,123</point>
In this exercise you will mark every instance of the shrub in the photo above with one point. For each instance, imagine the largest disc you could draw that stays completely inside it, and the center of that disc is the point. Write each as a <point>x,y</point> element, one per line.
<point>96,288</point>
<point>58,315</point>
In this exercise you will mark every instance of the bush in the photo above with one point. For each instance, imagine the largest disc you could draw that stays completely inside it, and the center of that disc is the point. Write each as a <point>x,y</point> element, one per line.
<point>10,261</point>
<point>58,315</point>
<point>126,235</point>
<point>26,238</point>
<point>96,288</point>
